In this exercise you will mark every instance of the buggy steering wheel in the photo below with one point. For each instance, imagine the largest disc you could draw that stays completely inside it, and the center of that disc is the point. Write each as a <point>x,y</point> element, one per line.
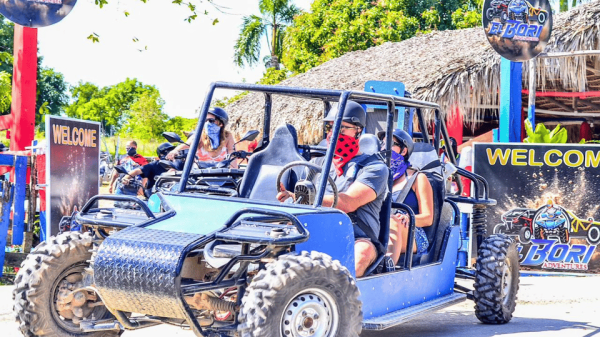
<point>304,187</point>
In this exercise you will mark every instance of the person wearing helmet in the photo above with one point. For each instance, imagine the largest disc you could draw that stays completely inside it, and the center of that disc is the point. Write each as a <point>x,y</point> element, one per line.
<point>216,142</point>
<point>361,181</point>
<point>152,170</point>
<point>415,192</point>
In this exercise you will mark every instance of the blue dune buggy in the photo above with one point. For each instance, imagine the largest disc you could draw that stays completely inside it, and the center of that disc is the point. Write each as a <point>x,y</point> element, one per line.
<point>251,266</point>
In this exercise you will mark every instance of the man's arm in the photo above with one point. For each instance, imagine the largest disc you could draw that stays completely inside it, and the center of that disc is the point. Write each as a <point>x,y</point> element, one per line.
<point>356,196</point>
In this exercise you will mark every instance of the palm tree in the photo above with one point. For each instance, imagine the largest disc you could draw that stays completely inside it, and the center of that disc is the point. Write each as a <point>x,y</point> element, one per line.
<point>276,15</point>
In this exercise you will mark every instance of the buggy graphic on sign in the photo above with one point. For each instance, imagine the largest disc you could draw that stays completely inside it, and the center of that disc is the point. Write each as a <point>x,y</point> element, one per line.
<point>517,29</point>
<point>546,202</point>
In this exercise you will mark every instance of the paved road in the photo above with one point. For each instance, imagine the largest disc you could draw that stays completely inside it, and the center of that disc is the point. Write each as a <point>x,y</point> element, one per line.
<point>548,306</point>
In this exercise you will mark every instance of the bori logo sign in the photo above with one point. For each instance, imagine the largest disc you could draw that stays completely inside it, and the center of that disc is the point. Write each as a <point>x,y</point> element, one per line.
<point>517,29</point>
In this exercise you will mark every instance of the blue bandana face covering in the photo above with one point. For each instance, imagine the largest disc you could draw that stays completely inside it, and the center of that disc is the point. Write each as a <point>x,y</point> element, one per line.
<point>398,165</point>
<point>214,134</point>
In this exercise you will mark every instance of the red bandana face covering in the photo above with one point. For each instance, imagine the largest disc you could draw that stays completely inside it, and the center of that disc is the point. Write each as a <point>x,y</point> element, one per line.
<point>345,149</point>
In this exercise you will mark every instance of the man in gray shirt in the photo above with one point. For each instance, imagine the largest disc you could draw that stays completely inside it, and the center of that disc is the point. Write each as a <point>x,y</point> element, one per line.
<point>361,181</point>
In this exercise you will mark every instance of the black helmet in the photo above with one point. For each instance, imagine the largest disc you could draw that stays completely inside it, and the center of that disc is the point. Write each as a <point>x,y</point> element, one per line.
<point>220,114</point>
<point>163,149</point>
<point>353,114</point>
<point>405,139</point>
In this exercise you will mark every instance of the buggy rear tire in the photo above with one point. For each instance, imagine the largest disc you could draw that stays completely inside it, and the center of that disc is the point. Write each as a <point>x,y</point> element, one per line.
<point>299,294</point>
<point>593,235</point>
<point>541,18</point>
<point>539,233</point>
<point>496,280</point>
<point>38,283</point>
<point>525,235</point>
<point>489,14</point>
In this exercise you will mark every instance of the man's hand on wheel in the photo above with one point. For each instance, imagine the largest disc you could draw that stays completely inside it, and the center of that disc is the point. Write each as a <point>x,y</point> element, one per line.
<point>284,194</point>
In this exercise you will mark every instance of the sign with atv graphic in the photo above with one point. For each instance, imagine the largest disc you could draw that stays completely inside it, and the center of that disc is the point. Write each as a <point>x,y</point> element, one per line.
<point>546,202</point>
<point>517,29</point>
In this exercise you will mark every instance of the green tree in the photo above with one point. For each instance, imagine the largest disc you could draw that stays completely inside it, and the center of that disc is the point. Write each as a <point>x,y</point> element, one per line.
<point>276,15</point>
<point>333,28</point>
<point>109,105</point>
<point>146,119</point>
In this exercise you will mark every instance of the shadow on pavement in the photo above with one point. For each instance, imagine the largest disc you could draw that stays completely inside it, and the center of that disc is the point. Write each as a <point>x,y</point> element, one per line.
<point>455,323</point>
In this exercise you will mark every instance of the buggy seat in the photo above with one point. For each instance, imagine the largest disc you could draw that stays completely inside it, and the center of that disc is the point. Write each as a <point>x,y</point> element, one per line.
<point>425,159</point>
<point>260,177</point>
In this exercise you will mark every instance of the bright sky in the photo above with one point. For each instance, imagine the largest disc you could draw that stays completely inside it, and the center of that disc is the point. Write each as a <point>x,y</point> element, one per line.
<point>182,58</point>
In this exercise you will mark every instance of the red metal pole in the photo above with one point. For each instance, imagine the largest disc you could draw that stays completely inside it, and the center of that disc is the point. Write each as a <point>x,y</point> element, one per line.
<point>23,88</point>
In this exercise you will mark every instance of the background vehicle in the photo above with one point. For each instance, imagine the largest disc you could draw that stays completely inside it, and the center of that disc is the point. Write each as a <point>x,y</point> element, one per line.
<point>518,10</point>
<point>256,267</point>
<point>498,9</point>
<point>517,221</point>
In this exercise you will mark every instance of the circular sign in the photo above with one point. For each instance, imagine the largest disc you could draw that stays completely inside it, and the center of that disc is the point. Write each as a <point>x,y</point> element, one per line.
<point>36,13</point>
<point>517,29</point>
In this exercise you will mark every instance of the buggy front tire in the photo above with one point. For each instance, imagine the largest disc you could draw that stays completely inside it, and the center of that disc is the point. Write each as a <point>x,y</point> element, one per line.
<point>593,234</point>
<point>525,235</point>
<point>500,228</point>
<point>496,280</point>
<point>307,294</point>
<point>48,272</point>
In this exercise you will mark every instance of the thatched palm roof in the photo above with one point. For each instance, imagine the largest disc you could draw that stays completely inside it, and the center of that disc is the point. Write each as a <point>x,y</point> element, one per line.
<point>456,69</point>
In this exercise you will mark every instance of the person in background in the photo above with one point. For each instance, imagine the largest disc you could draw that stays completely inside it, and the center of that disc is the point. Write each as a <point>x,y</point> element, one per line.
<point>129,162</point>
<point>150,171</point>
<point>216,142</point>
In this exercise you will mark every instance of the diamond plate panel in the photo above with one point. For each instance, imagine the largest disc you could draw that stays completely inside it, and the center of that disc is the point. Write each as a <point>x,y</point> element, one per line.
<point>135,270</point>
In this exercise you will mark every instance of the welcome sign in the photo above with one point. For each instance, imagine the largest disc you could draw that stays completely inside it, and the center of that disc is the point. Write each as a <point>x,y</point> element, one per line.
<point>547,201</point>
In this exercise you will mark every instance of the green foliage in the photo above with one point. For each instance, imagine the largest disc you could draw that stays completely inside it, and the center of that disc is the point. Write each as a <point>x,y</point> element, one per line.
<point>465,18</point>
<point>276,15</point>
<point>180,124</point>
<point>5,91</point>
<point>273,76</point>
<point>333,28</point>
<point>225,101</point>
<point>146,119</point>
<point>109,105</point>
<point>542,135</point>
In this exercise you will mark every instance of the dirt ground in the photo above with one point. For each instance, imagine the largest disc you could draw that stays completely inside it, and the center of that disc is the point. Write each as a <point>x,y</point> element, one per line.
<point>547,306</point>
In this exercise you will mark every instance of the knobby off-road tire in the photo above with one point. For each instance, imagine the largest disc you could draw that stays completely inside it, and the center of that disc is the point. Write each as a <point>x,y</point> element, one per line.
<point>539,233</point>
<point>37,283</point>
<point>525,235</point>
<point>563,235</point>
<point>299,293</point>
<point>496,280</point>
<point>500,228</point>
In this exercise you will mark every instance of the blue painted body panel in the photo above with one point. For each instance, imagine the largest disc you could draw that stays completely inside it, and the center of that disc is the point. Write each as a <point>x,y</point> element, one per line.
<point>19,205</point>
<point>385,293</point>
<point>4,223</point>
<point>509,129</point>
<point>7,160</point>
<point>330,230</point>
<point>396,89</point>
<point>42,226</point>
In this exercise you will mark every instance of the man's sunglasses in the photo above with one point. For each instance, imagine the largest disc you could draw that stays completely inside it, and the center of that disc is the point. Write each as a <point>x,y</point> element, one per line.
<point>211,120</point>
<point>329,127</point>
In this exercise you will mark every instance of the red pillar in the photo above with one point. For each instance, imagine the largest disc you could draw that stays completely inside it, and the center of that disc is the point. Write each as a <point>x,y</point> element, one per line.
<point>23,88</point>
<point>455,126</point>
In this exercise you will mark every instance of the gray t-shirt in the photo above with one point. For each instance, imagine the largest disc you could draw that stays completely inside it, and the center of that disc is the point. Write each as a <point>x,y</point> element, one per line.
<point>371,172</point>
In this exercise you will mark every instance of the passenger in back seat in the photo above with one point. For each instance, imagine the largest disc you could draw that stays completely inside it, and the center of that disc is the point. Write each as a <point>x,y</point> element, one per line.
<point>415,192</point>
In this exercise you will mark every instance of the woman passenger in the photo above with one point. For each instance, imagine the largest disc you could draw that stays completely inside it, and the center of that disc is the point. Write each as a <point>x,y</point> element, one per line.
<point>419,199</point>
<point>216,142</point>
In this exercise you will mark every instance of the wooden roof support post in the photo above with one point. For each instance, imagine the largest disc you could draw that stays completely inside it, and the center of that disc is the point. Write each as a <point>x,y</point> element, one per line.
<point>511,76</point>
<point>532,89</point>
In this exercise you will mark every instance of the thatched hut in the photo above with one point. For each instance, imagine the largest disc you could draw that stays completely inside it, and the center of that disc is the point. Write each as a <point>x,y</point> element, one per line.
<point>456,69</point>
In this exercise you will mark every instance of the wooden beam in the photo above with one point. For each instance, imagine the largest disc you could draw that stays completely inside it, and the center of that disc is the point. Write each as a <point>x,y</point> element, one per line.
<point>590,104</point>
<point>554,101</point>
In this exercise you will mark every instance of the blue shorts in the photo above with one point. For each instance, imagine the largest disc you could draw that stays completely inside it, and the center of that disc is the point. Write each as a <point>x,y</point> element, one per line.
<point>421,240</point>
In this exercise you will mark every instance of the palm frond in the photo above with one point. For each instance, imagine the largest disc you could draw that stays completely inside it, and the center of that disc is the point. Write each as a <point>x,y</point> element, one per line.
<point>247,46</point>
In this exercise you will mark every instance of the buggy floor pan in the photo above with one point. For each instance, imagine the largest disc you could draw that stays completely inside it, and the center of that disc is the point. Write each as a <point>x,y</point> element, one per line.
<point>137,270</point>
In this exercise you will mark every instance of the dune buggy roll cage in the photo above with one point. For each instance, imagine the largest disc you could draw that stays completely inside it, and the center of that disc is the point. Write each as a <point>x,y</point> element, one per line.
<point>341,96</point>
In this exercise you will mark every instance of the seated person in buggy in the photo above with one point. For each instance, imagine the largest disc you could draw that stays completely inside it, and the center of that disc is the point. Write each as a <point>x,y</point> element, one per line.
<point>361,180</point>
<point>216,142</point>
<point>413,189</point>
